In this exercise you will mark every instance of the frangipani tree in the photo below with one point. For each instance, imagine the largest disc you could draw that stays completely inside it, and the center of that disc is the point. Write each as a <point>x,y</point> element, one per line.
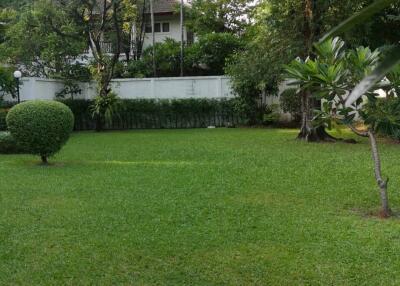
<point>331,77</point>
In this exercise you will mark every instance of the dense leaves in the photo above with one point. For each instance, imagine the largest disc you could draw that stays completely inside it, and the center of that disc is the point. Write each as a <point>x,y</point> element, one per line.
<point>152,113</point>
<point>8,144</point>
<point>208,56</point>
<point>41,127</point>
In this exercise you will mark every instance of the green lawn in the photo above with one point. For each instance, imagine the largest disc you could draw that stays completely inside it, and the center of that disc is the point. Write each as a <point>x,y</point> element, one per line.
<point>198,207</point>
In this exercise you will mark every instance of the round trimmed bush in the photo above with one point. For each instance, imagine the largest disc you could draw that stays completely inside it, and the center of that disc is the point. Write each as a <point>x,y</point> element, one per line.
<point>41,127</point>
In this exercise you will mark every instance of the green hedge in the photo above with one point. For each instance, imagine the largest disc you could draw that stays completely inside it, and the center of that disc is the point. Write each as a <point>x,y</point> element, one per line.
<point>159,114</point>
<point>3,115</point>
<point>8,144</point>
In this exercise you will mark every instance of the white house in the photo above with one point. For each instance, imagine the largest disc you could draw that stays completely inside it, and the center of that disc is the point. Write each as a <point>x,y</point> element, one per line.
<point>166,25</point>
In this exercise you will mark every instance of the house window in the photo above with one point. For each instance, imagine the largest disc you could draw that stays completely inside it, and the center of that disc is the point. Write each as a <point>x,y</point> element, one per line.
<point>165,27</point>
<point>157,27</point>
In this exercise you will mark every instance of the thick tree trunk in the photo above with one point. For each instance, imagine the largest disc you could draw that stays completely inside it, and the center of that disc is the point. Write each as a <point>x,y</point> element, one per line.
<point>382,184</point>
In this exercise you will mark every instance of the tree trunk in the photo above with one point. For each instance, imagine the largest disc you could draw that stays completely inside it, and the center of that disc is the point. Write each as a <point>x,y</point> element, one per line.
<point>153,39</point>
<point>104,90</point>
<point>182,40</point>
<point>308,132</point>
<point>382,184</point>
<point>44,160</point>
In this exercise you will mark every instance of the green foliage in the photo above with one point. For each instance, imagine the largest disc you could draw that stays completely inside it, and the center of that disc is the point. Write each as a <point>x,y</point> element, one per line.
<point>272,114</point>
<point>333,75</point>
<point>72,75</point>
<point>249,109</point>
<point>214,50</point>
<point>8,144</point>
<point>392,55</point>
<point>279,34</point>
<point>218,16</point>
<point>208,56</point>
<point>3,123</point>
<point>167,61</point>
<point>291,103</point>
<point>41,127</point>
<point>7,83</point>
<point>44,38</point>
<point>104,108</point>
<point>152,113</point>
<point>358,18</point>
<point>383,115</point>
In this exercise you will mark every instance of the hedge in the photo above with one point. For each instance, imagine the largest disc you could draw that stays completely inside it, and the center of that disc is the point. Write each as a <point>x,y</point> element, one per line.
<point>159,114</point>
<point>3,115</point>
<point>8,144</point>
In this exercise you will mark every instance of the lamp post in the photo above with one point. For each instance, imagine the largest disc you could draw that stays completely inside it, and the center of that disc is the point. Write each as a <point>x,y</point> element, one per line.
<point>17,76</point>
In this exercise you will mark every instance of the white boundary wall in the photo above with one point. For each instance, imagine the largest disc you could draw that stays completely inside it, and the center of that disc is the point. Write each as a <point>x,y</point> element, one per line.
<point>156,88</point>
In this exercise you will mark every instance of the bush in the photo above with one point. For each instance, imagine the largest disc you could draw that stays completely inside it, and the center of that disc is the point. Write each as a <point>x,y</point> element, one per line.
<point>271,115</point>
<point>153,113</point>
<point>41,127</point>
<point>8,144</point>
<point>383,115</point>
<point>291,103</point>
<point>206,57</point>
<point>3,115</point>
<point>214,49</point>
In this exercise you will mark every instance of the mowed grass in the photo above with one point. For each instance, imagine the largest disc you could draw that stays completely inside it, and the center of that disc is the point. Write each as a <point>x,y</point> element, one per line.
<point>198,207</point>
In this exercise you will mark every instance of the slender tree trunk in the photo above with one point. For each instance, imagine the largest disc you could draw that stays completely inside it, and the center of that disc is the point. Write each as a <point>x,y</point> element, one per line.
<point>182,40</point>
<point>382,184</point>
<point>153,38</point>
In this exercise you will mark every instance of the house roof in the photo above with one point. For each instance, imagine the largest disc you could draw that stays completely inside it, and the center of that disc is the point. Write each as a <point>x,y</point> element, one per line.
<point>162,6</point>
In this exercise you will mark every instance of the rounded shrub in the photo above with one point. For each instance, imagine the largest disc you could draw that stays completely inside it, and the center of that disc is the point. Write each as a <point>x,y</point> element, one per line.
<point>41,127</point>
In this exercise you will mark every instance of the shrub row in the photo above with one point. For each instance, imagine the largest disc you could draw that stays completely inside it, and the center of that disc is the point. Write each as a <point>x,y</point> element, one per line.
<point>8,144</point>
<point>3,115</point>
<point>159,114</point>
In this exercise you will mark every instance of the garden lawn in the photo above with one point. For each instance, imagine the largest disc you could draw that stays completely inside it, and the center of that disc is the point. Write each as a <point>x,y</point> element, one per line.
<point>198,207</point>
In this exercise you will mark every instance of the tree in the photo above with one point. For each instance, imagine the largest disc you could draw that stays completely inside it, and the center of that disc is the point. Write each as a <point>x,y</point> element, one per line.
<point>54,33</point>
<point>283,30</point>
<point>208,56</point>
<point>8,85</point>
<point>43,40</point>
<point>331,76</point>
<point>218,16</point>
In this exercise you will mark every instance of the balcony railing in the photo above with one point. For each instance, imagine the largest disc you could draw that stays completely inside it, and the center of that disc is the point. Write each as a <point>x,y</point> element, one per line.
<point>106,47</point>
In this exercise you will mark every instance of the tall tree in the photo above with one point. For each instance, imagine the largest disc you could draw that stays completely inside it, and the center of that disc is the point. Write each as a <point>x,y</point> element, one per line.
<point>283,30</point>
<point>218,16</point>
<point>52,35</point>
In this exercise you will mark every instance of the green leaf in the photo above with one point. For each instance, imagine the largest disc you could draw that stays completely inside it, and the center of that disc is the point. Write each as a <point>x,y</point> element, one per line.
<point>392,59</point>
<point>358,18</point>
